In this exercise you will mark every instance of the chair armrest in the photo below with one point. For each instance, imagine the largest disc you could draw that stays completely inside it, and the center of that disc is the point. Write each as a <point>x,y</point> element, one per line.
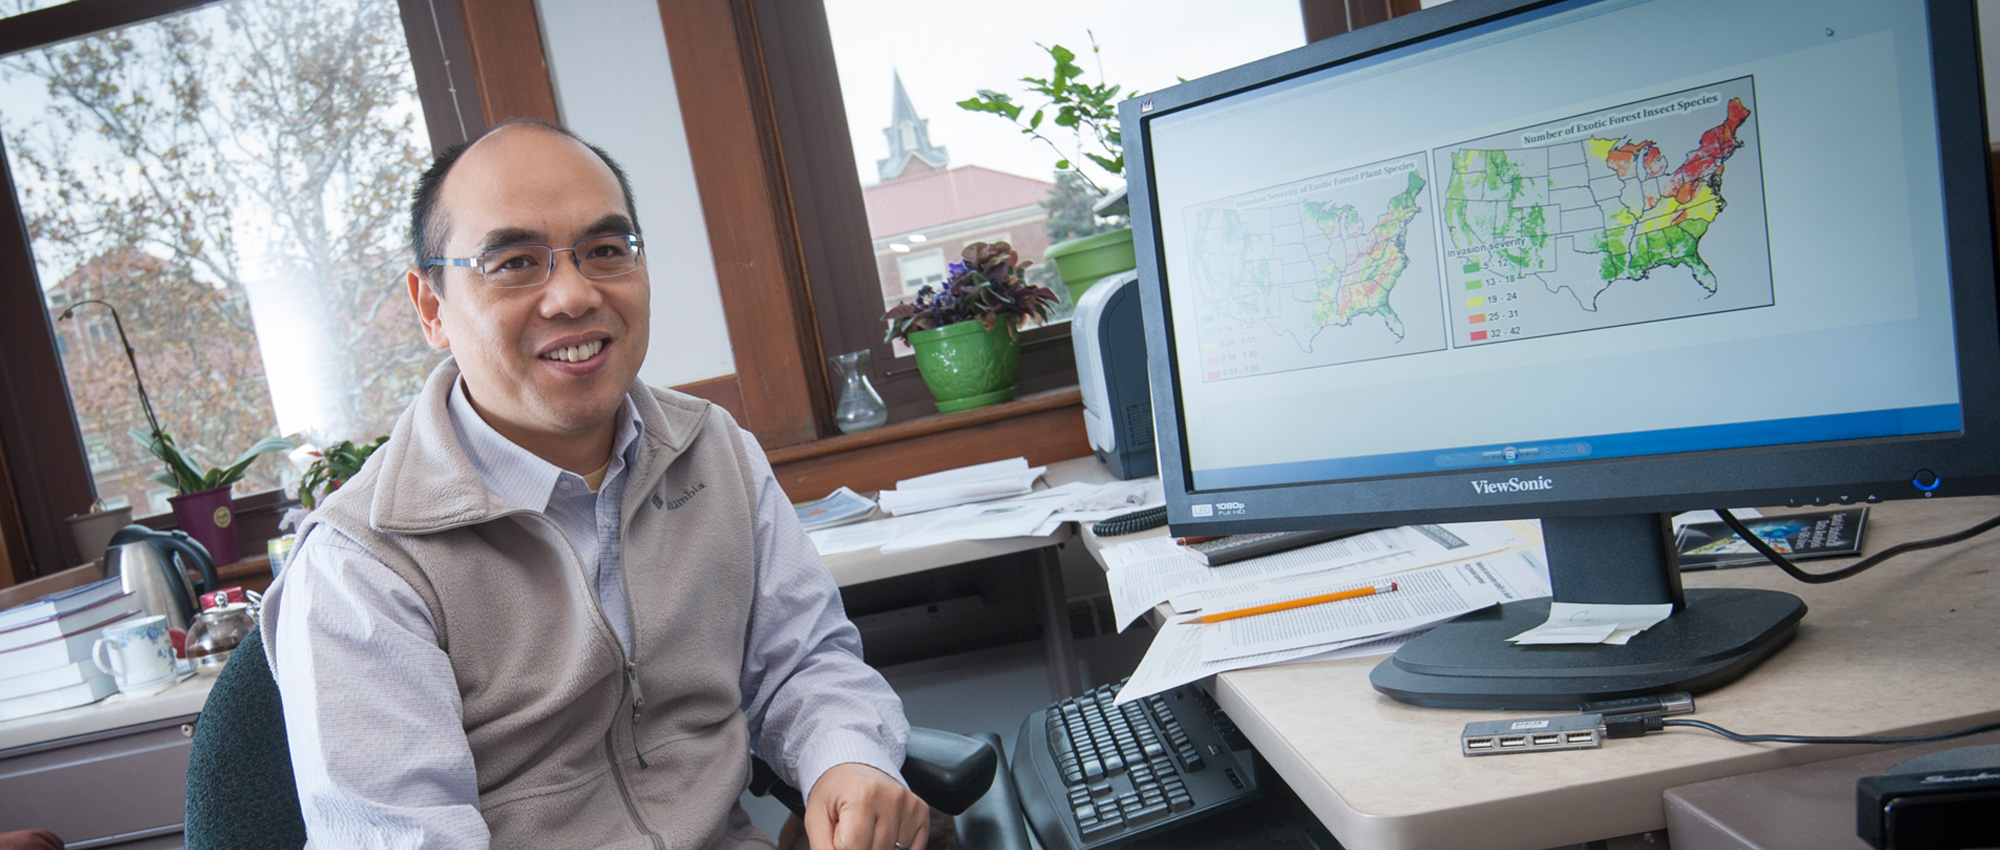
<point>947,770</point>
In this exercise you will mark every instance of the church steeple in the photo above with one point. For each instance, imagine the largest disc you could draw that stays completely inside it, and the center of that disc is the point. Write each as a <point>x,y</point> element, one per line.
<point>909,138</point>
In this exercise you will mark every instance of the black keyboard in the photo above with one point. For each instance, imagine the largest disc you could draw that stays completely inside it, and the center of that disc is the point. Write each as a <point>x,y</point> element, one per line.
<point>1092,775</point>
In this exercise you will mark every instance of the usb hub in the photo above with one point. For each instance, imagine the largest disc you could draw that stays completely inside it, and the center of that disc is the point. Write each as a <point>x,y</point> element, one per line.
<point>1532,735</point>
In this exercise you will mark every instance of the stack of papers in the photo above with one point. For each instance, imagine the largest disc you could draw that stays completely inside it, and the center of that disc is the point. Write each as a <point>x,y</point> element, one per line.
<point>983,482</point>
<point>1440,572</point>
<point>840,507</point>
<point>1033,514</point>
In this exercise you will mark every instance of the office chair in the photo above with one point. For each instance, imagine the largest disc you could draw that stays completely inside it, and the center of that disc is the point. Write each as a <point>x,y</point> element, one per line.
<point>241,795</point>
<point>240,791</point>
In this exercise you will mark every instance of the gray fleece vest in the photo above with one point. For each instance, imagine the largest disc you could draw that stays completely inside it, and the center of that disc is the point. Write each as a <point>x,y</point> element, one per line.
<point>576,745</point>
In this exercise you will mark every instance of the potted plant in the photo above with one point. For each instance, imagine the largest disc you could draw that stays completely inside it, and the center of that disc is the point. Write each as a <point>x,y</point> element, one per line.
<point>332,467</point>
<point>1090,114</point>
<point>964,333</point>
<point>203,507</point>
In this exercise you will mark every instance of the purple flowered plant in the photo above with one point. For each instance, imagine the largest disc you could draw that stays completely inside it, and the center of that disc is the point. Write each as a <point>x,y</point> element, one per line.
<point>986,288</point>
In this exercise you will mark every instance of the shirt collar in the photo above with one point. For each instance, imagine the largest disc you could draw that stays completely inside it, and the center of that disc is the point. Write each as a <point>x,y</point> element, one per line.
<point>516,475</point>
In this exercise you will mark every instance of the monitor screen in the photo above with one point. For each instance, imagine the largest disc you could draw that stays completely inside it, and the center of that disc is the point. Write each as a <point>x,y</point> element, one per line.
<point>1582,264</point>
<point>1593,257</point>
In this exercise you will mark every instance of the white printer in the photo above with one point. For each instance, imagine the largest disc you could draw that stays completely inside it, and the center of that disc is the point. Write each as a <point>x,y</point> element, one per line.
<point>1110,339</point>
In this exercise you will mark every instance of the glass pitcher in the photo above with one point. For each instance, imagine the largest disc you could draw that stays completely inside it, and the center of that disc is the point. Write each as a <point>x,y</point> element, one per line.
<point>858,407</point>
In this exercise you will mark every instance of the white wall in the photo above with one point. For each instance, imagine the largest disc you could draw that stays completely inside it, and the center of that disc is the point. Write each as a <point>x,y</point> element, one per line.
<point>615,88</point>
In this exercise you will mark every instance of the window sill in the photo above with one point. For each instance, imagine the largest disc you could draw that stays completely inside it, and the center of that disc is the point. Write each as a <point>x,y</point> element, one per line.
<point>1044,427</point>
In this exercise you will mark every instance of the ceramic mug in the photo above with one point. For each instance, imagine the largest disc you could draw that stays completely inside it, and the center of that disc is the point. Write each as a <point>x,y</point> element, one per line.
<point>137,654</point>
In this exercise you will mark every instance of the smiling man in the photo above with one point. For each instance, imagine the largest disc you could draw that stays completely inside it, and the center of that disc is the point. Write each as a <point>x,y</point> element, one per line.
<point>559,607</point>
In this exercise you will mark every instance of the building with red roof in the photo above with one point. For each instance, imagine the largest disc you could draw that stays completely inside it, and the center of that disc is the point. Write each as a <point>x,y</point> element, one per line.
<point>923,212</point>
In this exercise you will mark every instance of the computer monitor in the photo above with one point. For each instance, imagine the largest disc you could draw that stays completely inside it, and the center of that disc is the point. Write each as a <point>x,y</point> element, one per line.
<point>1593,262</point>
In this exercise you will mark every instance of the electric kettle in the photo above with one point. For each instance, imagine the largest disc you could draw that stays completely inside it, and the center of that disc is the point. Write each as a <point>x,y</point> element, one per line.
<point>145,562</point>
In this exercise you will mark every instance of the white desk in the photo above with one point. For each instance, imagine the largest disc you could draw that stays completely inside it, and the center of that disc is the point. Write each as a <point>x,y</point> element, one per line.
<point>852,568</point>
<point>118,710</point>
<point>1905,648</point>
<point>870,565</point>
<point>109,774</point>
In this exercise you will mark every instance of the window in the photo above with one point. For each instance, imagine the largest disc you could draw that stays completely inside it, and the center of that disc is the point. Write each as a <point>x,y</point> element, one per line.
<point>193,207</point>
<point>234,180</point>
<point>923,165</point>
<point>916,272</point>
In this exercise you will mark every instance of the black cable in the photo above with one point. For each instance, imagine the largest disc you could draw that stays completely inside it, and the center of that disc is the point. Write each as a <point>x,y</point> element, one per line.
<point>1635,725</point>
<point>1131,523</point>
<point>1855,568</point>
<point>1834,739</point>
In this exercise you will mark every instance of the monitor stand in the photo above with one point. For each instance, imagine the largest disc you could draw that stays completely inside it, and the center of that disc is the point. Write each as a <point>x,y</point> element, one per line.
<point>1714,635</point>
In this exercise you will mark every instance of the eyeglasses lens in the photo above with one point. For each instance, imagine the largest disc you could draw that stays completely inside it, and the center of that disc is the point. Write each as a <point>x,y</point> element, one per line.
<point>515,266</point>
<point>606,256</point>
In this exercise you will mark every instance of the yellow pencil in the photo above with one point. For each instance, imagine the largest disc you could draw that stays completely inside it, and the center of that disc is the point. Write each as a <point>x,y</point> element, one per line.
<point>1300,603</point>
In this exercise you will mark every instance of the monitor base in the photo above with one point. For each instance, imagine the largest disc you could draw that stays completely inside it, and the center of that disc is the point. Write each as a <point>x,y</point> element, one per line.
<point>1468,663</point>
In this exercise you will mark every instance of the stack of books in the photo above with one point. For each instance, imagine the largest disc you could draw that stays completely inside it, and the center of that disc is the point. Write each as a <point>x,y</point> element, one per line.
<point>45,648</point>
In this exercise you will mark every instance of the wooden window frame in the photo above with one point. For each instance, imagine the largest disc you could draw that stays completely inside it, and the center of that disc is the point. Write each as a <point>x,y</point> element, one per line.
<point>1328,18</point>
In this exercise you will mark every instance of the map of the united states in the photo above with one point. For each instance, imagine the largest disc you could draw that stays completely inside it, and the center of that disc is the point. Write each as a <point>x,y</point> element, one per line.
<point>1516,212</point>
<point>1308,273</point>
<point>1637,212</point>
<point>1358,282</point>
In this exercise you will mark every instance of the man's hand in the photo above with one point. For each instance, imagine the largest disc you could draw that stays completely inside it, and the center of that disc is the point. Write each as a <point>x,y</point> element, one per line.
<point>856,807</point>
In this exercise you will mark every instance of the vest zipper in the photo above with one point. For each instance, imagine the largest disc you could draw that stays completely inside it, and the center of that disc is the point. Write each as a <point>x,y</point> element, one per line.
<point>631,670</point>
<point>638,708</point>
<point>625,794</point>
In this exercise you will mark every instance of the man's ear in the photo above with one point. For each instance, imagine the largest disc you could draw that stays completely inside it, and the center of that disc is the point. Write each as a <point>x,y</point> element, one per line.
<point>426,299</point>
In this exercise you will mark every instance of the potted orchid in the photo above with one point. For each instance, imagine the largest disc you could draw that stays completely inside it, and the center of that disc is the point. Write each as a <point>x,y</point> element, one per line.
<point>203,507</point>
<point>964,333</point>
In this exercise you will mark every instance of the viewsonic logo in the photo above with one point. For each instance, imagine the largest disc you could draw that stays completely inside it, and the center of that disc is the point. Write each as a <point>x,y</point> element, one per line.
<point>1512,485</point>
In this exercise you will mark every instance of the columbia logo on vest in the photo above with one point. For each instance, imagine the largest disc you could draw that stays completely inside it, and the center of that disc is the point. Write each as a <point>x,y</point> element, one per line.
<point>677,501</point>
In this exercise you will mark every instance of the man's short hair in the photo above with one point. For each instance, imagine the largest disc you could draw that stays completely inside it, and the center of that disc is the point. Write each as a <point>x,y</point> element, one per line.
<point>428,224</point>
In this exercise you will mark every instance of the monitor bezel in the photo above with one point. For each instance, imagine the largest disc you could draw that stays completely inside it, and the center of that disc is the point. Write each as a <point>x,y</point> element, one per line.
<point>1833,472</point>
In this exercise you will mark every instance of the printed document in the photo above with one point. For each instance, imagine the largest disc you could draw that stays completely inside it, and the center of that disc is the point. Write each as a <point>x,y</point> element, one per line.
<point>978,483</point>
<point>1175,658</point>
<point>1149,572</point>
<point>1422,596</point>
<point>1478,539</point>
<point>1015,516</point>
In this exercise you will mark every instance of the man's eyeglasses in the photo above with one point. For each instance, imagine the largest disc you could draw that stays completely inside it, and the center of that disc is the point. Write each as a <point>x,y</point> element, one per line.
<point>518,266</point>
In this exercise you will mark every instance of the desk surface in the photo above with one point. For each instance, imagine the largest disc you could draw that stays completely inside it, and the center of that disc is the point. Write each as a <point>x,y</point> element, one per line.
<point>113,712</point>
<point>851,568</point>
<point>1905,648</point>
<point>1902,649</point>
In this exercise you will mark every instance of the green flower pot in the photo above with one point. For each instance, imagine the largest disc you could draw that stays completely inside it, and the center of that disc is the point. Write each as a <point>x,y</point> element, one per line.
<point>1086,260</point>
<point>967,366</point>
